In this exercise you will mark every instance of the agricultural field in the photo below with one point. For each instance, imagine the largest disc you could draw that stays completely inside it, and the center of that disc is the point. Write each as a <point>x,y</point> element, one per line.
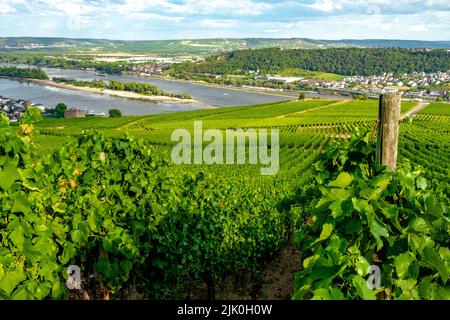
<point>113,202</point>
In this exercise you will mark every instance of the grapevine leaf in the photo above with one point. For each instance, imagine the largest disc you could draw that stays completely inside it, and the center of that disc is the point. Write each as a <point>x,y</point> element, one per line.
<point>362,289</point>
<point>427,288</point>
<point>7,178</point>
<point>328,294</point>
<point>343,180</point>
<point>17,236</point>
<point>21,204</point>
<point>11,279</point>
<point>421,183</point>
<point>362,266</point>
<point>376,229</point>
<point>327,229</point>
<point>435,262</point>
<point>403,263</point>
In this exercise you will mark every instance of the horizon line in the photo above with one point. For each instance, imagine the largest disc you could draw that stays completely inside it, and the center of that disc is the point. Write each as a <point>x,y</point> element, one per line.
<point>225,38</point>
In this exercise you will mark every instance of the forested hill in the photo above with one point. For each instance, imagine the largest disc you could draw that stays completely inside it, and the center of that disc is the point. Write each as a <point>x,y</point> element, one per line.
<point>345,61</point>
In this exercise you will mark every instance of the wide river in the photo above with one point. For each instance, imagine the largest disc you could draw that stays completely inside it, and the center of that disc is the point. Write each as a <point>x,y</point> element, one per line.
<point>206,96</point>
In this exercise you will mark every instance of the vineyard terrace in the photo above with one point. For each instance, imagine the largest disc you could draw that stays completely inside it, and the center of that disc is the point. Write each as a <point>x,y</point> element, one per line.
<point>236,142</point>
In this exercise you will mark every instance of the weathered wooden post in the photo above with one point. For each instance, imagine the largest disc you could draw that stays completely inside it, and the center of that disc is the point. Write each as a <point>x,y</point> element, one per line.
<point>388,128</point>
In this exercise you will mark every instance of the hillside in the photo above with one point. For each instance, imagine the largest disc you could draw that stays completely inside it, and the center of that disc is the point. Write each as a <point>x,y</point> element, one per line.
<point>343,61</point>
<point>182,231</point>
<point>199,46</point>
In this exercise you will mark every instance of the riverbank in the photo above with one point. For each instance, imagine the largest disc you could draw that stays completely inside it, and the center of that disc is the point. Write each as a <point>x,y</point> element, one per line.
<point>214,85</point>
<point>113,93</point>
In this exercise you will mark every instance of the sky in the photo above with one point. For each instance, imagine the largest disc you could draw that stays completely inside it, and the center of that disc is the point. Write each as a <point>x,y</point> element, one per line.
<point>195,19</point>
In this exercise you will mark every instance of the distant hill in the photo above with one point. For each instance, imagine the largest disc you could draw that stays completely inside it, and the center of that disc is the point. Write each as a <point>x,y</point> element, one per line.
<point>200,46</point>
<point>384,43</point>
<point>341,61</point>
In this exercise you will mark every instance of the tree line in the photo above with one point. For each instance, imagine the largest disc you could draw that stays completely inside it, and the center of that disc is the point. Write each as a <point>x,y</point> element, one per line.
<point>30,73</point>
<point>136,87</point>
<point>63,63</point>
<point>344,61</point>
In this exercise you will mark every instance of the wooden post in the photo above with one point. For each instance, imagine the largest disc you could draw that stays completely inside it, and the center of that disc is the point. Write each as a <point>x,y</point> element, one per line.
<point>388,127</point>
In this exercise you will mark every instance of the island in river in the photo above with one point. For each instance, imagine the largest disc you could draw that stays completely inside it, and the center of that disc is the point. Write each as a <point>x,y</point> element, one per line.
<point>114,93</point>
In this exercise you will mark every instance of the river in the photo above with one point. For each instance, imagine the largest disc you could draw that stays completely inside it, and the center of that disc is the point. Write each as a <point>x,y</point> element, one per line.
<point>206,96</point>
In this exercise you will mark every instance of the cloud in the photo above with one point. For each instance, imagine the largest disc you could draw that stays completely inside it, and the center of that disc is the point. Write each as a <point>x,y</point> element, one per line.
<point>168,19</point>
<point>211,23</point>
<point>418,28</point>
<point>325,5</point>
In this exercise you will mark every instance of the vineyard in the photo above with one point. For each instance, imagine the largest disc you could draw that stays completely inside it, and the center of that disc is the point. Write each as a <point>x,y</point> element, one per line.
<point>112,202</point>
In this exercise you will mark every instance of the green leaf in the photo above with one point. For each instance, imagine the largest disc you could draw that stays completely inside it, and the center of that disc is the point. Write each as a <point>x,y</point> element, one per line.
<point>20,294</point>
<point>362,266</point>
<point>11,279</point>
<point>327,229</point>
<point>419,225</point>
<point>402,264</point>
<point>421,183</point>
<point>381,182</point>
<point>428,288</point>
<point>17,236</point>
<point>343,180</point>
<point>443,293</point>
<point>328,294</point>
<point>376,229</point>
<point>93,221</point>
<point>362,289</point>
<point>69,252</point>
<point>435,262</point>
<point>21,204</point>
<point>8,177</point>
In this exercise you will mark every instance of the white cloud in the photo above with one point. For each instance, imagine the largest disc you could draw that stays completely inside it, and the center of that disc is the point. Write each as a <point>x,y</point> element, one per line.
<point>211,23</point>
<point>325,5</point>
<point>6,8</point>
<point>418,28</point>
<point>229,7</point>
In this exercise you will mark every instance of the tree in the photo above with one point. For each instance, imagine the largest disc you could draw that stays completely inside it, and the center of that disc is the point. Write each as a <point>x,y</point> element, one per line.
<point>302,96</point>
<point>33,115</point>
<point>60,108</point>
<point>115,113</point>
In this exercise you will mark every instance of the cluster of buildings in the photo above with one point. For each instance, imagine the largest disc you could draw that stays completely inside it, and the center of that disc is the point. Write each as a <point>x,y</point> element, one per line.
<point>14,108</point>
<point>415,84</point>
<point>151,69</point>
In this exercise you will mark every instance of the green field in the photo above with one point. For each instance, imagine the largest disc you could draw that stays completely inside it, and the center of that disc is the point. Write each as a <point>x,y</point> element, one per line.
<point>113,202</point>
<point>305,127</point>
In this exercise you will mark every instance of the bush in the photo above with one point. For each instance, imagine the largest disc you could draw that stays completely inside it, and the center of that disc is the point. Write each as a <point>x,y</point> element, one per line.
<point>115,113</point>
<point>118,210</point>
<point>366,216</point>
<point>60,109</point>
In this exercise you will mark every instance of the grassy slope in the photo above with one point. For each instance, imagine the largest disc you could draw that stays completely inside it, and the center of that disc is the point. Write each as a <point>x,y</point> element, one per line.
<point>287,116</point>
<point>305,128</point>
<point>438,108</point>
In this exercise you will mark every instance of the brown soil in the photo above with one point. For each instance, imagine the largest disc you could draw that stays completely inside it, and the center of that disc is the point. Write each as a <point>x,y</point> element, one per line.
<point>277,278</point>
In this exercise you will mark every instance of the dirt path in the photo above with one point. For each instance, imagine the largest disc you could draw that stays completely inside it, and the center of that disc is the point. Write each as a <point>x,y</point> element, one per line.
<point>419,107</point>
<point>314,109</point>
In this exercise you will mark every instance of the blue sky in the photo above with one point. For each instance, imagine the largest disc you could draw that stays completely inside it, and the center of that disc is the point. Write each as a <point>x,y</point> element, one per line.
<point>177,19</point>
